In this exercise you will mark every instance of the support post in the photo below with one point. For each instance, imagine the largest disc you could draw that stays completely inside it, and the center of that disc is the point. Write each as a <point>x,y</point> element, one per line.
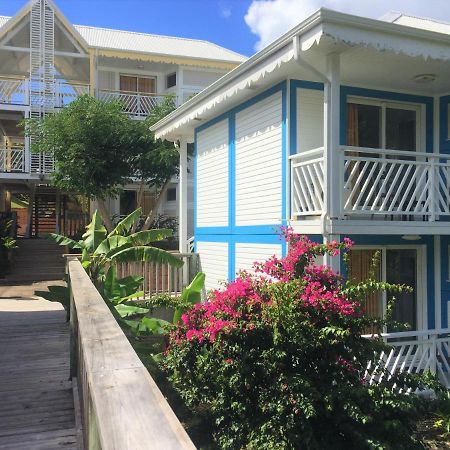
<point>333,262</point>
<point>333,170</point>
<point>332,137</point>
<point>182,197</point>
<point>93,73</point>
<point>29,229</point>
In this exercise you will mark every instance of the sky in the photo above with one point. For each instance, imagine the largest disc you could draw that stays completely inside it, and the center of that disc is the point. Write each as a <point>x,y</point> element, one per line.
<point>244,26</point>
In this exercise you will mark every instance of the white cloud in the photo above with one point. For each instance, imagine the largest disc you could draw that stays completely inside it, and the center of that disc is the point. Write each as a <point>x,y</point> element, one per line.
<point>269,19</point>
<point>225,10</point>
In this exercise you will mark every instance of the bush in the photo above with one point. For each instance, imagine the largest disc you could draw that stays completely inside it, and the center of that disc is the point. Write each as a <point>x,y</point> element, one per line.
<point>276,361</point>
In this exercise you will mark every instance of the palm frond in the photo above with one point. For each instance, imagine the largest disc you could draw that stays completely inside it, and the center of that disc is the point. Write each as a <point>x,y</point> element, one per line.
<point>147,236</point>
<point>147,254</point>
<point>125,224</point>
<point>62,240</point>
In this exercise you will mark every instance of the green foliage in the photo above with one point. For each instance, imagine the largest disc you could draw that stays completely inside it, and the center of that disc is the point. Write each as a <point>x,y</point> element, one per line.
<point>100,250</point>
<point>97,148</point>
<point>190,296</point>
<point>278,361</point>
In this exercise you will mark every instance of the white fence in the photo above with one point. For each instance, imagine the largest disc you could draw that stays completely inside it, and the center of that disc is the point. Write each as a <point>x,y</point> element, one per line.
<point>413,352</point>
<point>12,160</point>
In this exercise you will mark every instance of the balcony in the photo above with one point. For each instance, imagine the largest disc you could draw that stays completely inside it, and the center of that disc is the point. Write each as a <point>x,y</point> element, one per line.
<point>373,184</point>
<point>135,104</point>
<point>12,160</point>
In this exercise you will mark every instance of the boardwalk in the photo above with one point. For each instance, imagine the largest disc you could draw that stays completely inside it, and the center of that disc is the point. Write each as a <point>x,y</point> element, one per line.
<point>36,400</point>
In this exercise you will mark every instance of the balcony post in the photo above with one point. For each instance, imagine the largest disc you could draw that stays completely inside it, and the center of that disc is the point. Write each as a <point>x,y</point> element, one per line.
<point>182,205</point>
<point>434,177</point>
<point>93,73</point>
<point>333,189</point>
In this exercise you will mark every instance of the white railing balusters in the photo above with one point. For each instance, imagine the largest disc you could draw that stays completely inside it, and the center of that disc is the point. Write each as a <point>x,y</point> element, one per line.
<point>307,181</point>
<point>412,352</point>
<point>12,160</point>
<point>134,103</point>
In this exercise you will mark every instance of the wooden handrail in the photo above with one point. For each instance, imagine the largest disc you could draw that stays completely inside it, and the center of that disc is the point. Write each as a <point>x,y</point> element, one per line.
<point>122,407</point>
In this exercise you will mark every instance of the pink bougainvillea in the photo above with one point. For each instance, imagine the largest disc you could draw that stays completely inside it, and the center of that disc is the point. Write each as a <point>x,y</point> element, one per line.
<point>243,299</point>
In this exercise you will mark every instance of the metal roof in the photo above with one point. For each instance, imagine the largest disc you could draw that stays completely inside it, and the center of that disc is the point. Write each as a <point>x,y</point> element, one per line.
<point>130,41</point>
<point>423,23</point>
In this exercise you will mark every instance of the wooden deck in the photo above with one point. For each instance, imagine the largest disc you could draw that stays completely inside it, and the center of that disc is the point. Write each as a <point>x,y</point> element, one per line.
<point>36,399</point>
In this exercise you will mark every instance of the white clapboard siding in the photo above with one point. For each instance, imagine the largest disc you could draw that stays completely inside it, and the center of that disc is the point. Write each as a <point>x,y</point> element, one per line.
<point>247,254</point>
<point>213,262</point>
<point>212,176</point>
<point>309,119</point>
<point>259,163</point>
<point>199,78</point>
<point>106,80</point>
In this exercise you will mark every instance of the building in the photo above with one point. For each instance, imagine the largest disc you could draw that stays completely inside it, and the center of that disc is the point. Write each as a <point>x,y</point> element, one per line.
<point>339,128</point>
<point>46,62</point>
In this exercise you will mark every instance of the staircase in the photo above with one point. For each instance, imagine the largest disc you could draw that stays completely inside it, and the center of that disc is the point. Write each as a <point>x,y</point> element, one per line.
<point>37,260</point>
<point>44,213</point>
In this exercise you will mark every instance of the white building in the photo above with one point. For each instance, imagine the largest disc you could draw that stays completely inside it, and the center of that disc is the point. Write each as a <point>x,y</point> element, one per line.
<point>339,128</point>
<point>46,62</point>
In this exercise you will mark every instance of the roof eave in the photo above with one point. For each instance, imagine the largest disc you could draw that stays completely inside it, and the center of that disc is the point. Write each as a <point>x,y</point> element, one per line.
<point>320,17</point>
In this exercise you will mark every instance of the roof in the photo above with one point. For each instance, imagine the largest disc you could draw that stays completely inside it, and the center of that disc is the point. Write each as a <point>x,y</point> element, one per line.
<point>336,27</point>
<point>156,44</point>
<point>129,41</point>
<point>423,23</point>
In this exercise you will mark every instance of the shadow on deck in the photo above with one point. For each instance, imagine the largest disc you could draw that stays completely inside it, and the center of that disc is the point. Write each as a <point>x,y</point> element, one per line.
<point>36,398</point>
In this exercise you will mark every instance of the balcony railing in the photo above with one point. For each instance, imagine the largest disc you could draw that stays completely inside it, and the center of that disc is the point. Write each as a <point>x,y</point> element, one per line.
<point>12,160</point>
<point>68,92</point>
<point>413,352</point>
<point>13,91</point>
<point>134,103</point>
<point>394,184</point>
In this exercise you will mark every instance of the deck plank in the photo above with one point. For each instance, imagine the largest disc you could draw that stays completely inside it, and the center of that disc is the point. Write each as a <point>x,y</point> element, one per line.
<point>36,399</point>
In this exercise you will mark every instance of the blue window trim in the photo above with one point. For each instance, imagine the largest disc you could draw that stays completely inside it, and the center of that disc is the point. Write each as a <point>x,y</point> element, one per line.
<point>444,144</point>
<point>347,91</point>
<point>230,116</point>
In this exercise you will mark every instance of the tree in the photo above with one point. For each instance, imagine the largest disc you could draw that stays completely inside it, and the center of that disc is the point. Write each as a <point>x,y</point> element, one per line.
<point>98,149</point>
<point>158,164</point>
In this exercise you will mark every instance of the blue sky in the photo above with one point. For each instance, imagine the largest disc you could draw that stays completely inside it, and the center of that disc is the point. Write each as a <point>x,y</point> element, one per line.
<point>221,22</point>
<point>240,25</point>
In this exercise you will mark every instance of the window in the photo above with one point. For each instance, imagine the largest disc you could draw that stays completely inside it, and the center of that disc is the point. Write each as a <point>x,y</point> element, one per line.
<point>171,194</point>
<point>382,125</point>
<point>171,80</point>
<point>128,202</point>
<point>396,266</point>
<point>143,85</point>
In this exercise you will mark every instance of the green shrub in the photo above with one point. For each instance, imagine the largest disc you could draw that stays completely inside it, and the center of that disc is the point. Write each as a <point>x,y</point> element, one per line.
<point>277,361</point>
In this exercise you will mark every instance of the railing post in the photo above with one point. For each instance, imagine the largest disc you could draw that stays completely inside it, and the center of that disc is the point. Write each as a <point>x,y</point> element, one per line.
<point>433,365</point>
<point>433,194</point>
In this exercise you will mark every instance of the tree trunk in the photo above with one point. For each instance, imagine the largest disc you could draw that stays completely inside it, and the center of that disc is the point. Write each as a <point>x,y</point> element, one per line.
<point>152,214</point>
<point>140,201</point>
<point>105,214</point>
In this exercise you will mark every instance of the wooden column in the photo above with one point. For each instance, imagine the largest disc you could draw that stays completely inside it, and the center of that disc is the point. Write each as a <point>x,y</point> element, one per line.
<point>93,73</point>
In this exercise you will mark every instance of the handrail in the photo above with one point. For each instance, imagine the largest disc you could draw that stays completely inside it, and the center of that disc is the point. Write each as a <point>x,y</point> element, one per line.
<point>122,407</point>
<point>404,334</point>
<point>301,155</point>
<point>121,91</point>
<point>380,151</point>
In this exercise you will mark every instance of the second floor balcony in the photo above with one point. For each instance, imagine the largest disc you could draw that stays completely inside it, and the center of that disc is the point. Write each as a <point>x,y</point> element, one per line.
<point>373,184</point>
<point>17,92</point>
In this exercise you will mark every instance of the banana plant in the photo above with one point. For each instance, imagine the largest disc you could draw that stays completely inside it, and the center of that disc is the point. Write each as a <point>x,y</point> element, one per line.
<point>100,249</point>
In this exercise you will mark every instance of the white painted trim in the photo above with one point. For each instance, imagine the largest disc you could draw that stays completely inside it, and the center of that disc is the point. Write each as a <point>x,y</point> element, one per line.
<point>437,281</point>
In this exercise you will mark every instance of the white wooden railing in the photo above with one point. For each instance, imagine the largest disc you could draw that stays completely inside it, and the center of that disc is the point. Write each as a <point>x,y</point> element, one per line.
<point>13,91</point>
<point>394,184</point>
<point>162,278</point>
<point>121,406</point>
<point>413,352</point>
<point>134,103</point>
<point>41,163</point>
<point>12,160</point>
<point>68,92</point>
<point>307,183</point>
